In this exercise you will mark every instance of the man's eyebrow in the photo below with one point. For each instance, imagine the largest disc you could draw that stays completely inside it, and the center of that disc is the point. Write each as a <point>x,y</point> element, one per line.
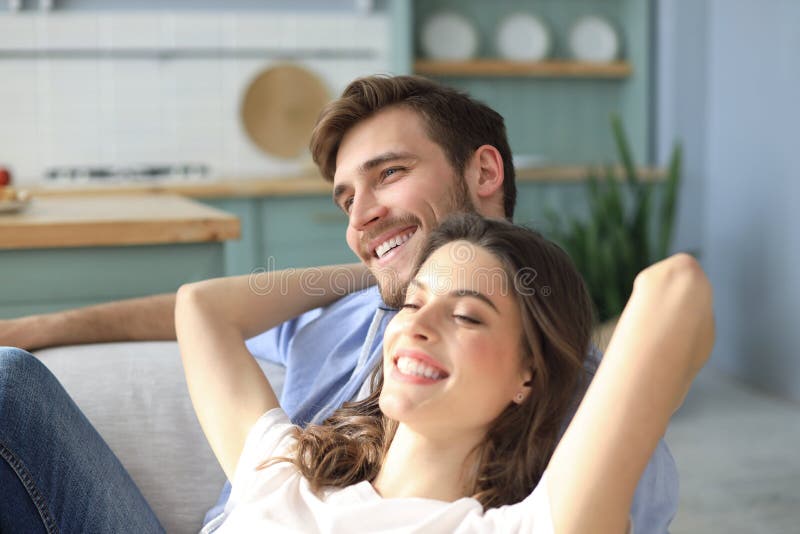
<point>459,293</point>
<point>380,159</point>
<point>338,192</point>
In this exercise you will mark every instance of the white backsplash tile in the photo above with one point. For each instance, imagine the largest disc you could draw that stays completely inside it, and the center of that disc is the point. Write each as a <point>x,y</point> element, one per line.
<point>69,144</point>
<point>276,31</point>
<point>18,97</point>
<point>319,32</point>
<point>18,32</point>
<point>202,30</point>
<point>67,30</point>
<point>131,31</point>
<point>112,110</point>
<point>19,148</point>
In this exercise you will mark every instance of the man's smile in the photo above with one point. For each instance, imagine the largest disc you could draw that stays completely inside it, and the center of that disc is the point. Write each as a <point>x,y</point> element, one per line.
<point>390,244</point>
<point>383,246</point>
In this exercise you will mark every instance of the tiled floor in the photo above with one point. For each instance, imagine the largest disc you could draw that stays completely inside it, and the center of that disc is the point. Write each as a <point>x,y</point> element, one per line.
<point>738,456</point>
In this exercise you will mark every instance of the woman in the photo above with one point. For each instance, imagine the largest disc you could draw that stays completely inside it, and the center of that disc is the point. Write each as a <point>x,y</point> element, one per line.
<point>479,368</point>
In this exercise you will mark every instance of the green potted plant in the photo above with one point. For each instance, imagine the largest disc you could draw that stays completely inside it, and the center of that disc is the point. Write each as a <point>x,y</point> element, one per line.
<point>627,228</point>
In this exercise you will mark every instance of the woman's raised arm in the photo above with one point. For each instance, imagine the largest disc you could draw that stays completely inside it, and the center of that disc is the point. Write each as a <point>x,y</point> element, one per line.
<point>212,321</point>
<point>662,340</point>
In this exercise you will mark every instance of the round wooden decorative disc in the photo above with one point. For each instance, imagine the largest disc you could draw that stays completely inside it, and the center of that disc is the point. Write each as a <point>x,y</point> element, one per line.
<point>280,108</point>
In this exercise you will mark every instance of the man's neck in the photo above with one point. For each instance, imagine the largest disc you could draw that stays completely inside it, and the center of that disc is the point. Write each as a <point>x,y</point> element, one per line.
<point>420,466</point>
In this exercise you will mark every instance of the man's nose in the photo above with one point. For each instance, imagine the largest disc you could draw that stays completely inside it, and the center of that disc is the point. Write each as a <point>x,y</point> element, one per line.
<point>365,210</point>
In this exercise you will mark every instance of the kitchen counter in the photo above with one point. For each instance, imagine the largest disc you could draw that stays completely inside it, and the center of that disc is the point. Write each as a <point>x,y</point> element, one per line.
<point>63,252</point>
<point>308,184</point>
<point>134,218</point>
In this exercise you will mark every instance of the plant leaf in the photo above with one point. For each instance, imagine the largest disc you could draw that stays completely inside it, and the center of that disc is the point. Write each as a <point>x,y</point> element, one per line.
<point>668,208</point>
<point>624,151</point>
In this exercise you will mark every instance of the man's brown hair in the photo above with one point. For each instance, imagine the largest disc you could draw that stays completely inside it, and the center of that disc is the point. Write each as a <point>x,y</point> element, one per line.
<point>453,120</point>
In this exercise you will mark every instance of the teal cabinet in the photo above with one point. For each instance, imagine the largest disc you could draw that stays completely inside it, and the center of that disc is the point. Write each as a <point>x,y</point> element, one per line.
<point>303,231</point>
<point>279,232</point>
<point>52,279</point>
<point>74,250</point>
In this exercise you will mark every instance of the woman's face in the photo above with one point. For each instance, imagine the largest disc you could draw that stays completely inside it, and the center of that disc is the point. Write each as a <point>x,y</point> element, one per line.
<point>452,354</point>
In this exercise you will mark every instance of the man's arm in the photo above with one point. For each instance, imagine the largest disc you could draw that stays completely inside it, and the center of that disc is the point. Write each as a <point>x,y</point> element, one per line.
<point>139,319</point>
<point>663,338</point>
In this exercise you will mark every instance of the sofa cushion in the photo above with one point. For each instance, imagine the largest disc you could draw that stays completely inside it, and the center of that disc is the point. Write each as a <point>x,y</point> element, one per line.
<point>135,394</point>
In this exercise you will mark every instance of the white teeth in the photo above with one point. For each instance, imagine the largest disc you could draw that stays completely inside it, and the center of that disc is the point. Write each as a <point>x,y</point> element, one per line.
<point>386,246</point>
<point>410,366</point>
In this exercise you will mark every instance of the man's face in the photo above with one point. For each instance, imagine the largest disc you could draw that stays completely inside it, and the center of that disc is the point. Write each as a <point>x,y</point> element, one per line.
<point>396,185</point>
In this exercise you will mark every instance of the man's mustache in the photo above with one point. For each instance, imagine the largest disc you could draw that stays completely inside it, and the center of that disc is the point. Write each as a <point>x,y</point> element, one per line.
<point>383,227</point>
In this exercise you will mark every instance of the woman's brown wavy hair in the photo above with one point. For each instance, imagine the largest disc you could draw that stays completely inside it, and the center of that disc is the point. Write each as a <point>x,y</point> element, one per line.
<point>556,310</point>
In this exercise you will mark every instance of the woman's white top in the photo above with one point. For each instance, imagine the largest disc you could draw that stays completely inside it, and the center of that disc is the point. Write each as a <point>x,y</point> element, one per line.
<point>279,499</point>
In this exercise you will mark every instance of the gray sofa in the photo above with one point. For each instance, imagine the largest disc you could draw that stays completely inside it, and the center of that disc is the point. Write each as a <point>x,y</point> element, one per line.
<point>135,395</point>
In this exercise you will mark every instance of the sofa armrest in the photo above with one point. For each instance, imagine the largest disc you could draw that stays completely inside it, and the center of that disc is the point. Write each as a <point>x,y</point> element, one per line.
<point>135,395</point>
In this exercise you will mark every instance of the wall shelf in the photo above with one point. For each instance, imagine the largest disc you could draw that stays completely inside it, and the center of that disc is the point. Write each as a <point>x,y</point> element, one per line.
<point>543,69</point>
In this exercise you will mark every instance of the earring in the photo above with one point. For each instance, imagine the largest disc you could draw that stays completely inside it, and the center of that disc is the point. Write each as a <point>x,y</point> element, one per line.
<point>519,397</point>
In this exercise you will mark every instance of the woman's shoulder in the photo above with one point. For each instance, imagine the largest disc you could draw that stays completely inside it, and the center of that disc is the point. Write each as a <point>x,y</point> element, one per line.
<point>532,514</point>
<point>273,434</point>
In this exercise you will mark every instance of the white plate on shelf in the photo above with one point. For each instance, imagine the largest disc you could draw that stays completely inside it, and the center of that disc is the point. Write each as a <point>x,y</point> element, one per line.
<point>594,39</point>
<point>449,36</point>
<point>523,37</point>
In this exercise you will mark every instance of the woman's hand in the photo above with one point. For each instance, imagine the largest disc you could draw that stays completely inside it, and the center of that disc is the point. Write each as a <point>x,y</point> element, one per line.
<point>663,338</point>
<point>682,274</point>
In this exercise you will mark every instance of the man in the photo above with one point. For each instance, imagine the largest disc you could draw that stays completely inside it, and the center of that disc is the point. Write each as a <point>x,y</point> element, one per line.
<point>402,153</point>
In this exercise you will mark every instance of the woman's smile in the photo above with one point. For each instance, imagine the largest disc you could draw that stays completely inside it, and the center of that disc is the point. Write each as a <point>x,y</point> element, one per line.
<point>417,368</point>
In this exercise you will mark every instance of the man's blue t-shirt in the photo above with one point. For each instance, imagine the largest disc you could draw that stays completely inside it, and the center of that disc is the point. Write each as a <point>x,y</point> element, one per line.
<point>329,354</point>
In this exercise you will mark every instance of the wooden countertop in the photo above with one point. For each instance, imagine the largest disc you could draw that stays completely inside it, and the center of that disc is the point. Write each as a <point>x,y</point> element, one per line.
<point>222,188</point>
<point>309,184</point>
<point>112,220</point>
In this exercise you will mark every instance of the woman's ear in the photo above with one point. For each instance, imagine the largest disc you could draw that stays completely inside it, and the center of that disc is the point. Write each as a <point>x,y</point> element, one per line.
<point>485,175</point>
<point>525,386</point>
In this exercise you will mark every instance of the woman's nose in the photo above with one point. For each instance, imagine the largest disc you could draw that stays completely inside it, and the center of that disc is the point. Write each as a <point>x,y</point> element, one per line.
<point>422,325</point>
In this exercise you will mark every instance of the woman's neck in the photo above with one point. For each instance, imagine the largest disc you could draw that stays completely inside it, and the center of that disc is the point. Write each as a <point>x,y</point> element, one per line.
<point>420,466</point>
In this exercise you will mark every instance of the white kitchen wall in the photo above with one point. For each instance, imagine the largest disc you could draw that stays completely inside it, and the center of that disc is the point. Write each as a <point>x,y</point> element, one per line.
<point>137,88</point>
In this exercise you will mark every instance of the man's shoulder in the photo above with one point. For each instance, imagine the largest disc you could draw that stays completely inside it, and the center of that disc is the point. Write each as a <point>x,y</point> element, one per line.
<point>366,301</point>
<point>357,307</point>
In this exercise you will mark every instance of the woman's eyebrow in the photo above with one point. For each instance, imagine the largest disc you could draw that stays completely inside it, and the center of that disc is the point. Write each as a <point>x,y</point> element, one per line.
<point>459,293</point>
<point>475,294</point>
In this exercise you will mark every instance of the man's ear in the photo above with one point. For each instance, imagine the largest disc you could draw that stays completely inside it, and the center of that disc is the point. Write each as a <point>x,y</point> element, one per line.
<point>485,175</point>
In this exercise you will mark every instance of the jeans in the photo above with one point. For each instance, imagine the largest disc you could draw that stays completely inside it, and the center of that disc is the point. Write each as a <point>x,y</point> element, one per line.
<point>56,472</point>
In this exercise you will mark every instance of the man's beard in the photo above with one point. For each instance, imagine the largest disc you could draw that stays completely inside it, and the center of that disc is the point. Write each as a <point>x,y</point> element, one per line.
<point>392,287</point>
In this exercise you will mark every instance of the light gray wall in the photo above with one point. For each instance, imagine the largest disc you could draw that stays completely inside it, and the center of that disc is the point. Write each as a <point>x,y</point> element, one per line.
<point>681,87</point>
<point>753,188</point>
<point>728,86</point>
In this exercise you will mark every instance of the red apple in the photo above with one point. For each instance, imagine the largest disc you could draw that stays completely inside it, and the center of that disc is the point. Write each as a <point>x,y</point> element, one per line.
<point>5,177</point>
